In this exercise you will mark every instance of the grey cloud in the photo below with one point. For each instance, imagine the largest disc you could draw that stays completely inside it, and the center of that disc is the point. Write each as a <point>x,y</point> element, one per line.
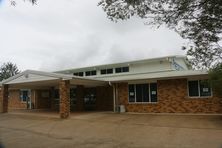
<point>65,34</point>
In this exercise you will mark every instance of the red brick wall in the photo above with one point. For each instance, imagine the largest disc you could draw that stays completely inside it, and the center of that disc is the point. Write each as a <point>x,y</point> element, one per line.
<point>39,101</point>
<point>14,101</point>
<point>64,95</point>
<point>172,98</point>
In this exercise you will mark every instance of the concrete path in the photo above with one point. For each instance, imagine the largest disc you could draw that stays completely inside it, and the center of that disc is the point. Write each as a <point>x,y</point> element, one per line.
<point>109,130</point>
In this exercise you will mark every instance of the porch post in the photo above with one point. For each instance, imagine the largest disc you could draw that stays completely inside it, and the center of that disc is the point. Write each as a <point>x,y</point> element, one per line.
<point>64,105</point>
<point>4,99</point>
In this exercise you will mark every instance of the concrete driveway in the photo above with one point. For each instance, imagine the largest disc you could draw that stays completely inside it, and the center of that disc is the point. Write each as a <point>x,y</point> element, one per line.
<point>110,130</point>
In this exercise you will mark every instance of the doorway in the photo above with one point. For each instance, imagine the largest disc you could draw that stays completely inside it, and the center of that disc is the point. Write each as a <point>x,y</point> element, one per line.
<point>90,99</point>
<point>25,95</point>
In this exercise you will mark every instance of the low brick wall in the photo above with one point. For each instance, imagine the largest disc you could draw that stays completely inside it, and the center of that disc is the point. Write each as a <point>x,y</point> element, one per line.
<point>39,101</point>
<point>14,101</point>
<point>172,98</point>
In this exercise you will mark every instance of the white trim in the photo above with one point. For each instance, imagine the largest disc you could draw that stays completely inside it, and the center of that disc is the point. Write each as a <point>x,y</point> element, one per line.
<point>142,81</point>
<point>55,76</point>
<point>157,75</point>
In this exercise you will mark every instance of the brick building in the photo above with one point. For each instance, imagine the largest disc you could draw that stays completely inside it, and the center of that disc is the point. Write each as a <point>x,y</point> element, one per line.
<point>159,85</point>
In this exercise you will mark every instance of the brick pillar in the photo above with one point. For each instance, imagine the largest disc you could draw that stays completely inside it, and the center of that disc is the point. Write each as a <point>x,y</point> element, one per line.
<point>4,99</point>
<point>64,91</point>
<point>80,97</point>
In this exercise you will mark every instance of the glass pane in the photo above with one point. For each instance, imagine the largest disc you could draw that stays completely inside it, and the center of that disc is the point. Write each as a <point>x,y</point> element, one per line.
<point>76,73</point>
<point>93,72</point>
<point>56,93</point>
<point>72,96</point>
<point>193,88</point>
<point>24,95</point>
<point>81,74</point>
<point>103,71</point>
<point>145,92</point>
<point>205,89</point>
<point>153,92</point>
<point>109,71</point>
<point>125,69</point>
<point>139,92</point>
<point>118,70</point>
<point>87,73</point>
<point>131,93</point>
<point>90,96</point>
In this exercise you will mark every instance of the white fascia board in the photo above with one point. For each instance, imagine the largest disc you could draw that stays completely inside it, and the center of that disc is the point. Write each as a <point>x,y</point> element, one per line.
<point>43,76</point>
<point>40,73</point>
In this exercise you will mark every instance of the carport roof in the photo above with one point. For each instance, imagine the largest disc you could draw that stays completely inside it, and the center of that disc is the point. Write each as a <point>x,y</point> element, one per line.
<point>38,76</point>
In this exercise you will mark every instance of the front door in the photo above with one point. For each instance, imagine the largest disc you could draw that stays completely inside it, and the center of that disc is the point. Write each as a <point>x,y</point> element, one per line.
<point>90,99</point>
<point>26,97</point>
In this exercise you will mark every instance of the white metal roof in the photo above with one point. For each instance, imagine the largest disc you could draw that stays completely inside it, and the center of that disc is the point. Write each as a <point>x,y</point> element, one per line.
<point>155,75</point>
<point>29,76</point>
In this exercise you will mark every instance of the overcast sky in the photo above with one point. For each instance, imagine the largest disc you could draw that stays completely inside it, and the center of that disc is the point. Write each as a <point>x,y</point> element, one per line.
<point>55,35</point>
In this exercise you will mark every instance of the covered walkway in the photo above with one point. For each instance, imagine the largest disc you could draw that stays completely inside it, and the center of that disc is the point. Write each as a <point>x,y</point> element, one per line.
<point>42,88</point>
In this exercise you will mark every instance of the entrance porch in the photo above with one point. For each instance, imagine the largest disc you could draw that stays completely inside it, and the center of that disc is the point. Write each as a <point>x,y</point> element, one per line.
<point>55,92</point>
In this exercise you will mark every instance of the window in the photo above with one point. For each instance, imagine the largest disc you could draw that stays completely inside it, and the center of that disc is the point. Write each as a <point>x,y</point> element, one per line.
<point>122,69</point>
<point>118,70</point>
<point>199,88</point>
<point>125,69</point>
<point>153,92</point>
<point>109,71</point>
<point>103,71</point>
<point>56,96</point>
<point>78,74</point>
<point>142,93</point>
<point>106,71</point>
<point>24,94</point>
<point>90,73</point>
<point>72,96</point>
<point>93,72</point>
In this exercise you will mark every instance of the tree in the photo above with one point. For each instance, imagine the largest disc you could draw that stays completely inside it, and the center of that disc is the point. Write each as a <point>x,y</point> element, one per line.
<point>215,74</point>
<point>200,21</point>
<point>8,70</point>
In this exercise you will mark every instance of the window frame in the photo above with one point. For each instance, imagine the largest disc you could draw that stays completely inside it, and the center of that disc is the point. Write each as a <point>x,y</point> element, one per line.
<point>199,96</point>
<point>149,97</point>
<point>80,74</point>
<point>122,69</point>
<point>103,72</point>
<point>21,94</point>
<point>91,73</point>
<point>107,71</point>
